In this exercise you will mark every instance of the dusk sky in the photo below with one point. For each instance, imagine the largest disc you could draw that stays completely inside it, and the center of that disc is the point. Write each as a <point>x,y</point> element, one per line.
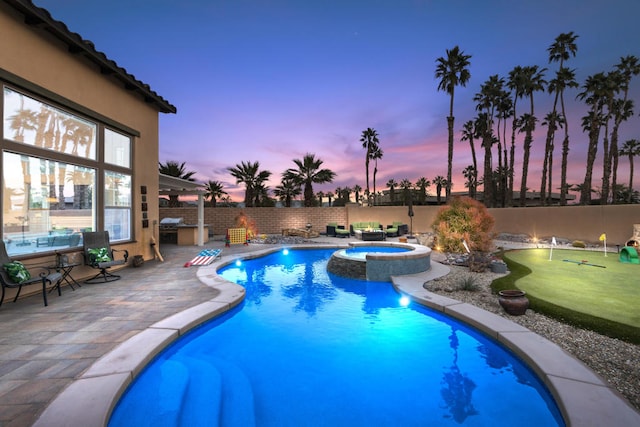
<point>271,80</point>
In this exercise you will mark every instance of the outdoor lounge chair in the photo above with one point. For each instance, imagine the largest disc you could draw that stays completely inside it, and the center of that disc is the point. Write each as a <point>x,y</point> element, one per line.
<point>98,254</point>
<point>395,229</point>
<point>7,281</point>
<point>335,230</point>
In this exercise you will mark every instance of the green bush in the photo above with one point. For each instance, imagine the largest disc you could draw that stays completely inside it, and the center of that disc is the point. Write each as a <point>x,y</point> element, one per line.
<point>463,219</point>
<point>468,283</point>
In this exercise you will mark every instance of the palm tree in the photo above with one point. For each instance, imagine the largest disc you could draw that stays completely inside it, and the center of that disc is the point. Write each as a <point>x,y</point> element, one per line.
<point>593,94</point>
<point>173,168</point>
<point>213,190</point>
<point>533,82</point>
<point>287,191</point>
<point>357,189</point>
<point>320,195</point>
<point>561,50</point>
<point>376,154</point>
<point>622,109</point>
<point>469,133</point>
<point>631,148</point>
<point>565,78</point>
<point>628,67</point>
<point>422,184</point>
<point>487,101</point>
<point>504,109</point>
<point>329,196</point>
<point>440,181</point>
<point>552,120</point>
<point>261,195</point>
<point>250,175</point>
<point>452,71</point>
<point>370,142</point>
<point>392,184</point>
<point>346,194</point>
<point>308,172</point>
<point>471,176</point>
<point>406,185</point>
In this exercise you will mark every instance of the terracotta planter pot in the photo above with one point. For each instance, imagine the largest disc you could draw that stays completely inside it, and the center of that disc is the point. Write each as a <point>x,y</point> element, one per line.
<point>514,301</point>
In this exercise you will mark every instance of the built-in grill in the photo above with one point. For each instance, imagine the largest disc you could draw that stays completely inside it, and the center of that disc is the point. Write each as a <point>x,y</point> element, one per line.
<point>635,239</point>
<point>169,230</point>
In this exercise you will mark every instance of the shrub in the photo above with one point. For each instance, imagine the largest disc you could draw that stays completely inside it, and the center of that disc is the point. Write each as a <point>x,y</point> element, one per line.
<point>464,219</point>
<point>468,283</point>
<point>578,244</point>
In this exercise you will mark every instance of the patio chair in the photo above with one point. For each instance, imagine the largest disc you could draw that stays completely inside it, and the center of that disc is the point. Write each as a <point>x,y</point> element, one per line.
<point>14,275</point>
<point>98,254</point>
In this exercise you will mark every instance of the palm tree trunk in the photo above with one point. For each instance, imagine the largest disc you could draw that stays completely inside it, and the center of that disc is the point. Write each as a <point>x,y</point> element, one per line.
<point>592,151</point>
<point>606,167</point>
<point>488,173</point>
<point>525,166</point>
<point>629,197</point>
<point>613,162</point>
<point>450,121</point>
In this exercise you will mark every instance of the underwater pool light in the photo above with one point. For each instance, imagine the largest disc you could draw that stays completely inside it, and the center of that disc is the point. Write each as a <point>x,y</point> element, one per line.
<point>238,263</point>
<point>404,301</point>
<point>285,251</point>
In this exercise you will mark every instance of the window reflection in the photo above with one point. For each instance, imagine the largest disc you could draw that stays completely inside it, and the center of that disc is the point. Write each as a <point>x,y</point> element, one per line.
<point>46,204</point>
<point>117,205</point>
<point>32,122</point>
<point>117,148</point>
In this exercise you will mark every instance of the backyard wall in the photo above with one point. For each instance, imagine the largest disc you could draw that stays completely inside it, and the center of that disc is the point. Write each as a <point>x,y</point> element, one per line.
<point>585,223</point>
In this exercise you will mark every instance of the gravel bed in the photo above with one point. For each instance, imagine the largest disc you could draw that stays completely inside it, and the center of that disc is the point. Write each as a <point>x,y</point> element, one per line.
<point>616,361</point>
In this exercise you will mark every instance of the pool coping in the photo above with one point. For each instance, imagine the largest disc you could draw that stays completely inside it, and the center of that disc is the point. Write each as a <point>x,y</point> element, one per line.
<point>582,397</point>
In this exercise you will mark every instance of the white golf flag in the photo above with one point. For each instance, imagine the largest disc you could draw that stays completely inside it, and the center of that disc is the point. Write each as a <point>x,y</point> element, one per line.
<point>553,241</point>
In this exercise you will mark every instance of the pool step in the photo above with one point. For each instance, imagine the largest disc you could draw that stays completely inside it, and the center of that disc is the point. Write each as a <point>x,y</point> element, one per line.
<point>237,405</point>
<point>203,394</point>
<point>217,394</point>
<point>165,390</point>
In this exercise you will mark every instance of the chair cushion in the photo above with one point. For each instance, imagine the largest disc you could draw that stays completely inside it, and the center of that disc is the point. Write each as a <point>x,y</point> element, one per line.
<point>99,254</point>
<point>17,271</point>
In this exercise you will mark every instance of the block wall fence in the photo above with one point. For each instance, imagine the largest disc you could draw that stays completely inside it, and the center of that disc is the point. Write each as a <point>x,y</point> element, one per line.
<point>584,223</point>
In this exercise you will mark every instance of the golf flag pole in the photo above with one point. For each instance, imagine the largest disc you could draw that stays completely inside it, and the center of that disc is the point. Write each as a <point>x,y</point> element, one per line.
<point>603,238</point>
<point>553,243</point>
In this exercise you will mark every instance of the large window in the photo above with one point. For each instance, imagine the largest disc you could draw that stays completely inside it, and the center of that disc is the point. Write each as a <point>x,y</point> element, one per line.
<point>32,122</point>
<point>117,205</point>
<point>52,163</point>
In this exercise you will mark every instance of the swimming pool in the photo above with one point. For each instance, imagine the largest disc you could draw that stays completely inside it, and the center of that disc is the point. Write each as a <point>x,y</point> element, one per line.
<point>311,348</point>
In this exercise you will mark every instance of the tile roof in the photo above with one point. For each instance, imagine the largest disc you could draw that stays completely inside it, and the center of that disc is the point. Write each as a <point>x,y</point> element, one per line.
<point>38,17</point>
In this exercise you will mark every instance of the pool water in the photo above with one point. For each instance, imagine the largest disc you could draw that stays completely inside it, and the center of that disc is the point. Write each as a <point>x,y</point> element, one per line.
<point>360,252</point>
<point>308,348</point>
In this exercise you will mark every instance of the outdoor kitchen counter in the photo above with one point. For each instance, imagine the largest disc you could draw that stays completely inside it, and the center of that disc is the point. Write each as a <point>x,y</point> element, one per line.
<point>188,234</point>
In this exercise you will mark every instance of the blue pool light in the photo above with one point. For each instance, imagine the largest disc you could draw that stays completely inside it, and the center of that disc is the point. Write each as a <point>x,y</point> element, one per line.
<point>238,263</point>
<point>285,251</point>
<point>404,301</point>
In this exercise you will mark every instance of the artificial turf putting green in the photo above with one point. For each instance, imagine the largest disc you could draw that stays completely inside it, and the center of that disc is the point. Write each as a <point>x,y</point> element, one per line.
<point>604,296</point>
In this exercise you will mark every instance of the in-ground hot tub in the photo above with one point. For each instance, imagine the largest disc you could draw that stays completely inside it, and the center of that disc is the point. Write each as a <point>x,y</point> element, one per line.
<point>379,261</point>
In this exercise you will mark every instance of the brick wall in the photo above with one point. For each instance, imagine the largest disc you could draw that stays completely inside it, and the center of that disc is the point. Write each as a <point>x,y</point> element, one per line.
<point>572,222</point>
<point>267,220</point>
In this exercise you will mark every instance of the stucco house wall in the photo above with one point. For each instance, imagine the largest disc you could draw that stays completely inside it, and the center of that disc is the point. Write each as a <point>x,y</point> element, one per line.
<point>34,60</point>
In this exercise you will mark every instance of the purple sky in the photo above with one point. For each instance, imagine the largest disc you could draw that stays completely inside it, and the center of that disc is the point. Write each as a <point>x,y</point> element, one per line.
<point>270,80</point>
